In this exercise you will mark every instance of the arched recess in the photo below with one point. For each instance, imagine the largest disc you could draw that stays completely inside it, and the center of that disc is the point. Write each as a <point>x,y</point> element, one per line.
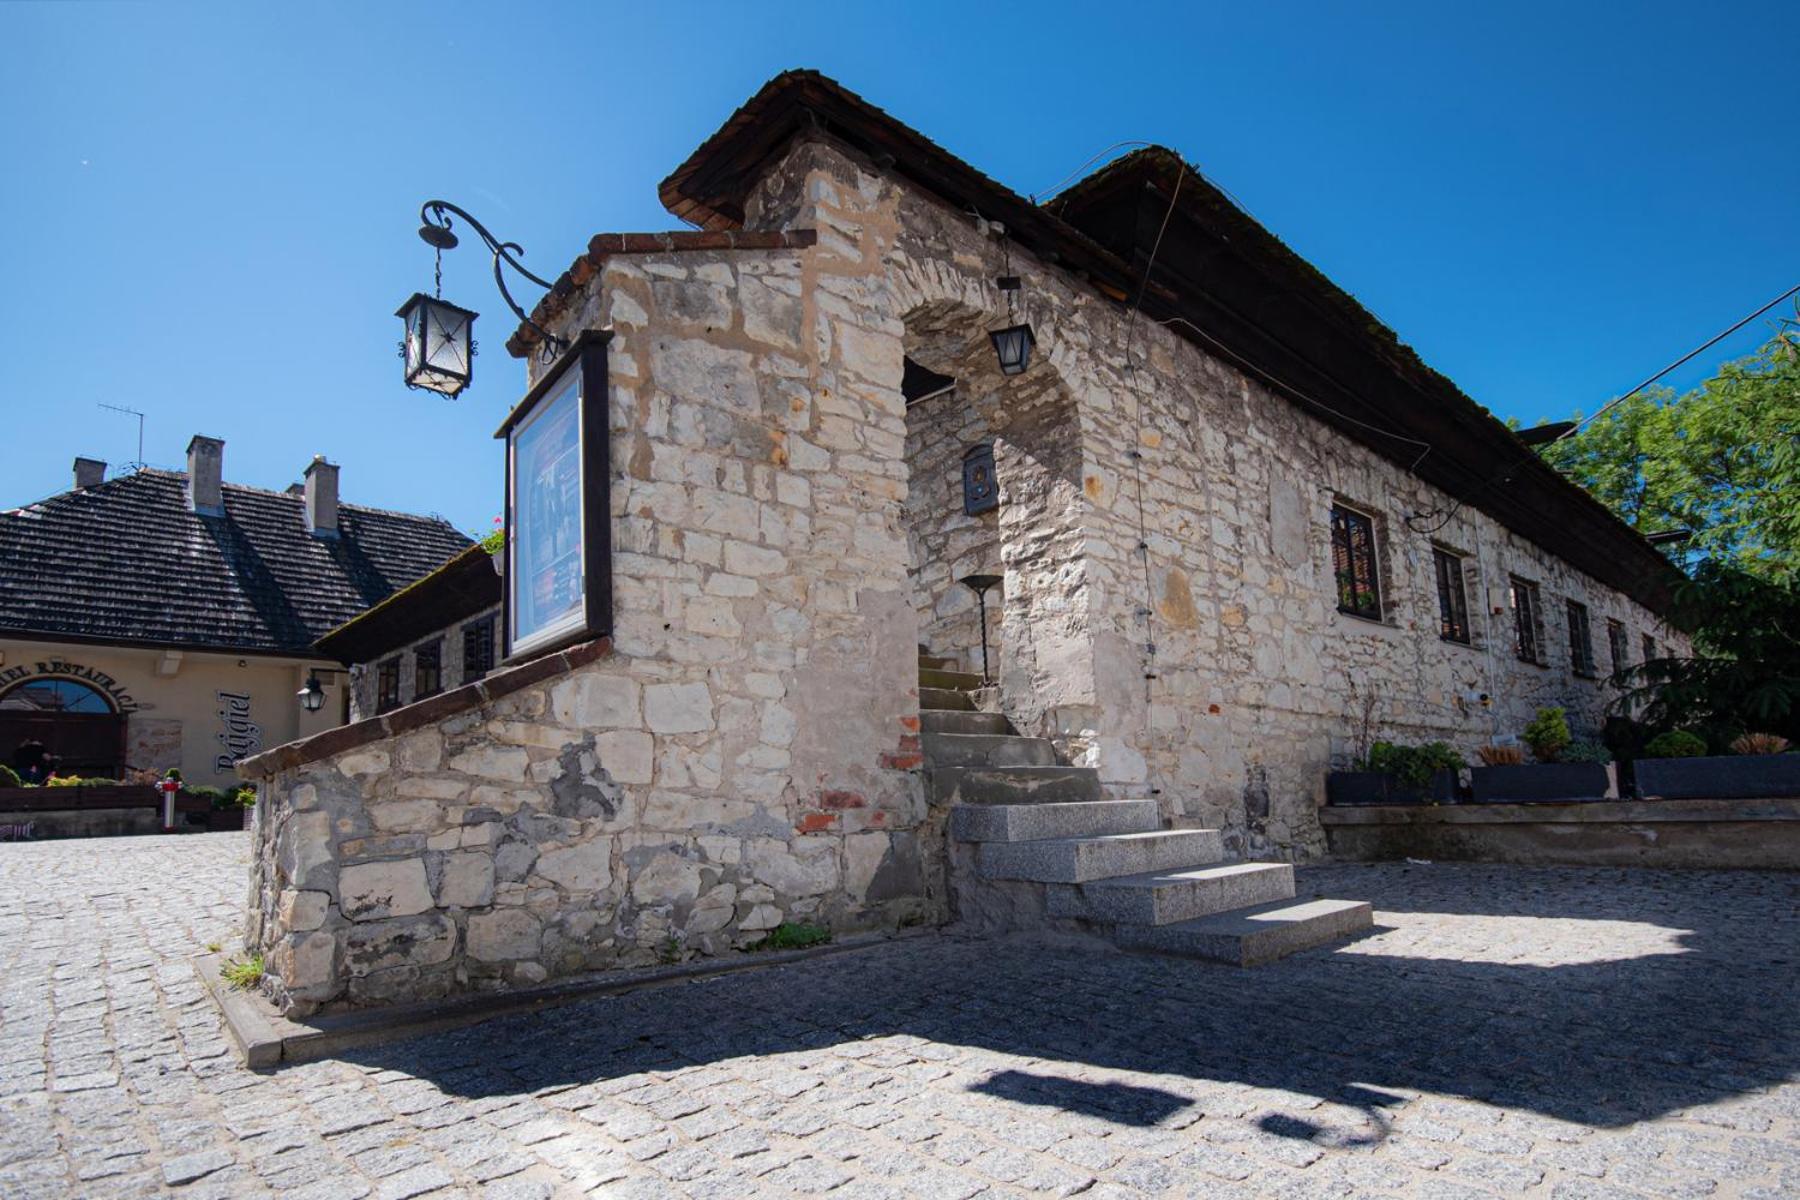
<point>1040,649</point>
<point>77,725</point>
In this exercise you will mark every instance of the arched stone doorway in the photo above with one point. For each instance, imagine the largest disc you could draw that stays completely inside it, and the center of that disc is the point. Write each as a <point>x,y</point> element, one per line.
<point>76,725</point>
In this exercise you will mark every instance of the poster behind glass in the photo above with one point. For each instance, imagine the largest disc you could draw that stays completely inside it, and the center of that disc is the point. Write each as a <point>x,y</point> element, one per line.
<point>546,551</point>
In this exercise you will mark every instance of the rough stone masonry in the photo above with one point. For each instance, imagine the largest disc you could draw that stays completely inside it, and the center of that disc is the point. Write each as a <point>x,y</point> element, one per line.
<point>745,750</point>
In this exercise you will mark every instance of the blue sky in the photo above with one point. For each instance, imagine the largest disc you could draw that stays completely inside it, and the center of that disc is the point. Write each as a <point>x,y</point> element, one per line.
<point>208,210</point>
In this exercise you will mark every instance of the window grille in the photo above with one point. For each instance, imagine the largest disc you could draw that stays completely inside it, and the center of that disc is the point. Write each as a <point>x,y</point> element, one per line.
<point>387,686</point>
<point>428,670</point>
<point>1619,644</point>
<point>1453,599</point>
<point>1581,640</point>
<point>478,649</point>
<point>1353,563</point>
<point>1528,621</point>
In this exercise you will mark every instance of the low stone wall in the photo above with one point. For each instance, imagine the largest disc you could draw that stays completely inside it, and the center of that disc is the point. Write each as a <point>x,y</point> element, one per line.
<point>1756,834</point>
<point>46,824</point>
<point>506,833</point>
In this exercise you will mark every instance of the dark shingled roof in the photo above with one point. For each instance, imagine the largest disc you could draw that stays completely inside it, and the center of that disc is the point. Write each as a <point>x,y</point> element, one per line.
<point>128,562</point>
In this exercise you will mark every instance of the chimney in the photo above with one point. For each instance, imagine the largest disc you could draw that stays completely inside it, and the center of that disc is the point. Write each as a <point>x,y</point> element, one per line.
<point>321,498</point>
<point>89,472</point>
<point>206,475</point>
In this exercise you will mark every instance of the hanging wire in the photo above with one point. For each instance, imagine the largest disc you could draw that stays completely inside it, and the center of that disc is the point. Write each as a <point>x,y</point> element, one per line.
<point>1041,197</point>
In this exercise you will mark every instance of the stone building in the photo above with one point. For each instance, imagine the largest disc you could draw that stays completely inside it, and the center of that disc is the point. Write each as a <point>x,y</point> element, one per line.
<point>166,619</point>
<point>1237,522</point>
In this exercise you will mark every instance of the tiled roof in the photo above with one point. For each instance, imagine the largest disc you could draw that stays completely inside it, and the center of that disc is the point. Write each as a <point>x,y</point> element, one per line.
<point>128,561</point>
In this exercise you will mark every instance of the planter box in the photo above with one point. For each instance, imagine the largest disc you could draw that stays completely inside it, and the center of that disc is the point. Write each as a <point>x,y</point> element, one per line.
<point>1353,788</point>
<point>1554,783</point>
<point>1724,777</point>
<point>224,820</point>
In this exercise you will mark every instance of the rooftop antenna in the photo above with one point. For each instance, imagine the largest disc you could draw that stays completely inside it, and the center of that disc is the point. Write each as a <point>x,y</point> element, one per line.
<point>132,412</point>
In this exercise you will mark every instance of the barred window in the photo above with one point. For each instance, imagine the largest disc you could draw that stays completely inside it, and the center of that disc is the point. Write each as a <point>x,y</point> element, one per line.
<point>1649,647</point>
<point>478,649</point>
<point>1581,640</point>
<point>387,685</point>
<point>1619,644</point>
<point>1353,562</point>
<point>428,670</point>
<point>1528,621</point>
<point>1453,599</point>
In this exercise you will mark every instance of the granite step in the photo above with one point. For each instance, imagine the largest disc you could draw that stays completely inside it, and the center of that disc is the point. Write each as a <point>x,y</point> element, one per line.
<point>933,720</point>
<point>945,699</point>
<point>1165,897</point>
<point>957,681</point>
<point>1013,785</point>
<point>1078,860</point>
<point>1041,822</point>
<point>987,750</point>
<point>1248,937</point>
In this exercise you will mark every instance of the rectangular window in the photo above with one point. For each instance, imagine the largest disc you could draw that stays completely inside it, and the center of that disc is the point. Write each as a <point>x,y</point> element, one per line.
<point>1453,599</point>
<point>1581,640</point>
<point>1619,644</point>
<point>1649,647</point>
<point>1528,621</point>
<point>1353,562</point>
<point>387,686</point>
<point>428,670</point>
<point>478,649</point>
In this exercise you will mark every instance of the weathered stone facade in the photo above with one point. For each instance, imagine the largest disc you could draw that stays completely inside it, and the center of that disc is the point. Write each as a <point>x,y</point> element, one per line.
<point>453,671</point>
<point>746,753</point>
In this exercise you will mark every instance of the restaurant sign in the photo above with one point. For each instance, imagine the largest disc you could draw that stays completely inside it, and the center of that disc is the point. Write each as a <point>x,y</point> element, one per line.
<point>56,669</point>
<point>558,573</point>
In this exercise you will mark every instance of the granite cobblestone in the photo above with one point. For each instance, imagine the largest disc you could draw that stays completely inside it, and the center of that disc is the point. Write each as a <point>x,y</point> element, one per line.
<point>1559,1033</point>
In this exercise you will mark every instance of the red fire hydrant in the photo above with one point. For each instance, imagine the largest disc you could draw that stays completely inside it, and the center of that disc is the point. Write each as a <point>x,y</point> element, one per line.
<point>168,788</point>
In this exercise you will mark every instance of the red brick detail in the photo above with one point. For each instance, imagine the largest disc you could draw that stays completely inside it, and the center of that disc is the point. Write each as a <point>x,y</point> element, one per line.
<point>902,762</point>
<point>911,724</point>
<point>1213,709</point>
<point>815,822</point>
<point>842,800</point>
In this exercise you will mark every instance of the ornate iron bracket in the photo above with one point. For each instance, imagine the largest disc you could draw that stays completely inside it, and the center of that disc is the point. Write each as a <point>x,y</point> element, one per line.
<point>435,231</point>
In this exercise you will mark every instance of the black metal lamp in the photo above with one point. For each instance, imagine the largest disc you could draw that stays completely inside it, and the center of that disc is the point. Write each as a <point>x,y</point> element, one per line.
<point>1012,345</point>
<point>979,584</point>
<point>440,346</point>
<point>312,696</point>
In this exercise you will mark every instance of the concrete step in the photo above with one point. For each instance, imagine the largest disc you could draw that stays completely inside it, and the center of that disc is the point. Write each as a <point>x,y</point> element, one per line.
<point>935,662</point>
<point>1078,860</point>
<point>945,721</point>
<point>1247,937</point>
<point>945,699</point>
<point>1163,898</point>
<point>987,750</point>
<point>1038,822</point>
<point>956,681</point>
<point>1012,785</point>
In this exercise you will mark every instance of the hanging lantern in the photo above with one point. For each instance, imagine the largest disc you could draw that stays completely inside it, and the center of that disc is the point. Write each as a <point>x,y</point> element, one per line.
<point>1012,346</point>
<point>312,696</point>
<point>439,348</point>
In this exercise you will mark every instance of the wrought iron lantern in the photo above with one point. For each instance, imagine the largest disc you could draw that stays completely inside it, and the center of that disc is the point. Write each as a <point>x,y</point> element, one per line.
<point>312,696</point>
<point>439,348</point>
<point>1012,346</point>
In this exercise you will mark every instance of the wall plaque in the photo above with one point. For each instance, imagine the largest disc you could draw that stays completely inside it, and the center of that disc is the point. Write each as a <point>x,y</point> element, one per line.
<point>980,490</point>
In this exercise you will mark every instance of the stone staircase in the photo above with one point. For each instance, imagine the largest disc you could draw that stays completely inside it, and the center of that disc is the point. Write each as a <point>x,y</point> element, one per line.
<point>1035,842</point>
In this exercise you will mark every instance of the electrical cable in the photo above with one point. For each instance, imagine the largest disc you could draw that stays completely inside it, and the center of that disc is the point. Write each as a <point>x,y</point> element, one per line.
<point>1041,197</point>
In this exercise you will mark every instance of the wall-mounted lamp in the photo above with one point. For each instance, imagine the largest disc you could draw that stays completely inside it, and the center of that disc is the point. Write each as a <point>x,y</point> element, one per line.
<point>312,696</point>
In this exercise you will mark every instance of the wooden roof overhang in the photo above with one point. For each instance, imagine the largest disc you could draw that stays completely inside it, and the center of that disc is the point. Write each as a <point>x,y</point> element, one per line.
<point>456,591</point>
<point>1221,281</point>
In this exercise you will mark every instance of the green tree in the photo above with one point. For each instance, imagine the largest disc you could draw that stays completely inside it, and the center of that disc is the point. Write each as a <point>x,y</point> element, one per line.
<point>1722,460</point>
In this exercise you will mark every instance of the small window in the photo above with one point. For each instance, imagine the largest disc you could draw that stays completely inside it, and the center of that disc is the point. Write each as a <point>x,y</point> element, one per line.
<point>1353,563</point>
<point>1528,621</point>
<point>428,670</point>
<point>1581,640</point>
<point>980,491</point>
<point>1619,644</point>
<point>1649,647</point>
<point>478,649</point>
<point>1453,598</point>
<point>387,685</point>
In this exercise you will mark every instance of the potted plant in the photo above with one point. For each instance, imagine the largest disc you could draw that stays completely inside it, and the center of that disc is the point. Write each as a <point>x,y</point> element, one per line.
<point>1556,776</point>
<point>1676,766</point>
<point>1397,774</point>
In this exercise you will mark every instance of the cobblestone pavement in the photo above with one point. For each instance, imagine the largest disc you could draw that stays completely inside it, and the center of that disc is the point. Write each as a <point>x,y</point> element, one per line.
<point>1506,1031</point>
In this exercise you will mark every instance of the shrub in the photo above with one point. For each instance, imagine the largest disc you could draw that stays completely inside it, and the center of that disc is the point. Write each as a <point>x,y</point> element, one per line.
<point>795,935</point>
<point>1759,743</point>
<point>220,797</point>
<point>1677,743</point>
<point>9,777</point>
<point>1548,734</point>
<point>79,781</point>
<point>1586,750</point>
<point>1501,756</point>
<point>1412,765</point>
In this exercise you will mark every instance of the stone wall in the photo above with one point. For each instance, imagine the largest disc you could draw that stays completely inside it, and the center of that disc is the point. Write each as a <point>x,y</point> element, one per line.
<point>944,543</point>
